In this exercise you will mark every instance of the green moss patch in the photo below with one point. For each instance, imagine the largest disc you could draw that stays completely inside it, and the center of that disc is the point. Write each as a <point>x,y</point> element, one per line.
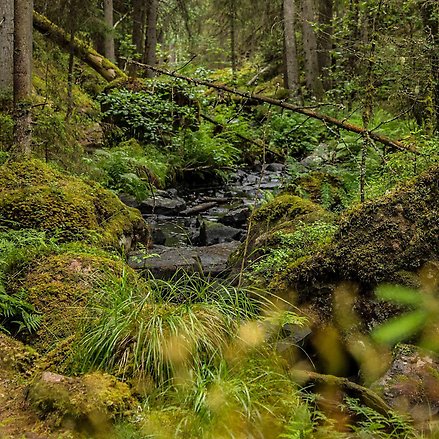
<point>33,195</point>
<point>60,286</point>
<point>379,241</point>
<point>88,403</point>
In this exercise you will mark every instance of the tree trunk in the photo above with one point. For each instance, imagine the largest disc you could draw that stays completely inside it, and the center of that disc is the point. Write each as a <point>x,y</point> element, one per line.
<point>312,72</point>
<point>430,18</point>
<point>291,78</point>
<point>109,36</point>
<point>139,15</point>
<point>233,37</point>
<point>324,39</point>
<point>83,51</point>
<point>6,46</point>
<point>150,56</point>
<point>22,76</point>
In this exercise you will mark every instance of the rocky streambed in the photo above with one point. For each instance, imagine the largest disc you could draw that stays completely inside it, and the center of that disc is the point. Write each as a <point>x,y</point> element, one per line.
<point>197,227</point>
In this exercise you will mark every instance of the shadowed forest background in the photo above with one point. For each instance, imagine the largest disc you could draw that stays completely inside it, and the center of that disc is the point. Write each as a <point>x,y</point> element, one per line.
<point>219,219</point>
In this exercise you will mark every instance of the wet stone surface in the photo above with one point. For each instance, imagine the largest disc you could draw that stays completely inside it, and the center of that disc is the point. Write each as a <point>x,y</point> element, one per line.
<point>197,228</point>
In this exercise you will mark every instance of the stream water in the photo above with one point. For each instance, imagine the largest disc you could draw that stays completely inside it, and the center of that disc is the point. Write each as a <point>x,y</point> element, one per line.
<point>197,227</point>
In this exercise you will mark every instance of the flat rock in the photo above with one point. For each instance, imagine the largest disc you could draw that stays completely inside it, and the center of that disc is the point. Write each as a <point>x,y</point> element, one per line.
<point>212,232</point>
<point>163,261</point>
<point>236,217</point>
<point>162,206</point>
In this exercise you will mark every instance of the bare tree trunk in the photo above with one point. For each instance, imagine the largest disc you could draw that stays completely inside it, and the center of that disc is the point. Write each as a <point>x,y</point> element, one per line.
<point>430,18</point>
<point>233,37</point>
<point>150,56</point>
<point>109,36</point>
<point>291,78</point>
<point>6,46</point>
<point>138,32</point>
<point>312,71</point>
<point>324,38</point>
<point>22,76</point>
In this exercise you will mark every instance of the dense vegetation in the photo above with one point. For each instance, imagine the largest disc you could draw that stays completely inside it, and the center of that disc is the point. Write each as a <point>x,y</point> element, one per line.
<point>325,323</point>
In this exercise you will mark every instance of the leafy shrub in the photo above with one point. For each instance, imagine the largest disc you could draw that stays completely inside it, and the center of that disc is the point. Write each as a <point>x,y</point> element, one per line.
<point>203,148</point>
<point>292,135</point>
<point>130,168</point>
<point>148,116</point>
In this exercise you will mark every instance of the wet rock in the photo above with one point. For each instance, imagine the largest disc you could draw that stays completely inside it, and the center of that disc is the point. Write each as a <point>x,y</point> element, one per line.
<point>411,384</point>
<point>275,167</point>
<point>216,233</point>
<point>163,262</point>
<point>236,217</point>
<point>162,206</point>
<point>129,200</point>
<point>158,237</point>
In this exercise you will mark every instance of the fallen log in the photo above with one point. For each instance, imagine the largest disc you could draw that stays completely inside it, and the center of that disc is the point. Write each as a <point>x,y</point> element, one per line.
<point>366,396</point>
<point>198,209</point>
<point>108,70</point>
<point>343,124</point>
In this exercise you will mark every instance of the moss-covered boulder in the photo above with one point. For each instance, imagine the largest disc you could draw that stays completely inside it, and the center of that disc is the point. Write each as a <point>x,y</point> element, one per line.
<point>275,225</point>
<point>33,195</point>
<point>60,286</point>
<point>385,240</point>
<point>88,403</point>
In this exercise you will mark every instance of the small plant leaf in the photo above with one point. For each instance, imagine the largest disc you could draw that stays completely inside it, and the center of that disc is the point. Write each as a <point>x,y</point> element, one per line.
<point>400,328</point>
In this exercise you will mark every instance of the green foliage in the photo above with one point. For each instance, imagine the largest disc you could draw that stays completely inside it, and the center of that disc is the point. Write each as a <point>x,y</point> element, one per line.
<point>6,130</point>
<point>292,135</point>
<point>288,247</point>
<point>17,248</point>
<point>203,148</point>
<point>130,168</point>
<point>186,321</point>
<point>149,116</point>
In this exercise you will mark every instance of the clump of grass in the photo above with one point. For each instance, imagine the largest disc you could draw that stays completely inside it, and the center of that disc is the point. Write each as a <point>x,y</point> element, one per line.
<point>177,325</point>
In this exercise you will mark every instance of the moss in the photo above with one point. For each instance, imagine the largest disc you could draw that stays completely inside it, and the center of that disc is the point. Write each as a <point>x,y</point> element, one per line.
<point>380,241</point>
<point>284,206</point>
<point>86,403</point>
<point>33,195</point>
<point>60,286</point>
<point>15,357</point>
<point>272,226</point>
<point>321,188</point>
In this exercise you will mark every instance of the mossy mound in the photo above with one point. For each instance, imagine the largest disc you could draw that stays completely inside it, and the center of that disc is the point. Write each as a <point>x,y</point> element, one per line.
<point>385,240</point>
<point>281,217</point>
<point>15,357</point>
<point>60,286</point>
<point>88,403</point>
<point>33,195</point>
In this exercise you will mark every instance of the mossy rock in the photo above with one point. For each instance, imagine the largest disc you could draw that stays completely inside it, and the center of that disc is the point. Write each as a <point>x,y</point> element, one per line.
<point>60,286</point>
<point>282,215</point>
<point>88,403</point>
<point>15,357</point>
<point>380,241</point>
<point>35,196</point>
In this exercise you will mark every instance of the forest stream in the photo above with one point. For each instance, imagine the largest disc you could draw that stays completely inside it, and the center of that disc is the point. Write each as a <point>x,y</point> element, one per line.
<point>197,226</point>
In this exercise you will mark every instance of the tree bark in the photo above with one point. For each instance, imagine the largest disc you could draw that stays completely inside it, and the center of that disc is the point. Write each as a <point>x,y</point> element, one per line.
<point>324,39</point>
<point>309,19</point>
<point>83,51</point>
<point>233,37</point>
<point>150,56</point>
<point>430,18</point>
<point>109,36</point>
<point>138,33</point>
<point>6,46</point>
<point>291,78</point>
<point>22,76</point>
